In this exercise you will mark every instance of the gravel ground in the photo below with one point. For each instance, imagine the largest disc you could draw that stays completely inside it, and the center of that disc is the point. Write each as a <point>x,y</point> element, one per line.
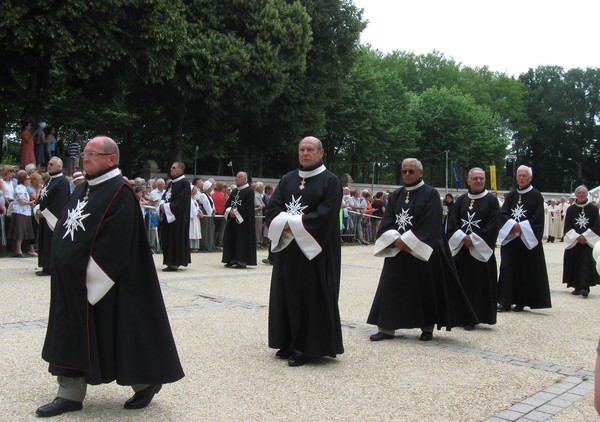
<point>219,319</point>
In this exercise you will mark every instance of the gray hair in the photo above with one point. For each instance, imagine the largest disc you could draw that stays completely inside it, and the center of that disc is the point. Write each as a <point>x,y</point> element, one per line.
<point>413,160</point>
<point>476,169</point>
<point>529,170</point>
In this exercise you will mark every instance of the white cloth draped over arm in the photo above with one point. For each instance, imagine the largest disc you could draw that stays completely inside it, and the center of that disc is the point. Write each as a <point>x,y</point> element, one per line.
<point>167,210</point>
<point>51,219</point>
<point>98,283</point>
<point>281,239</point>
<point>419,249</point>
<point>527,236</point>
<point>480,249</point>
<point>571,238</point>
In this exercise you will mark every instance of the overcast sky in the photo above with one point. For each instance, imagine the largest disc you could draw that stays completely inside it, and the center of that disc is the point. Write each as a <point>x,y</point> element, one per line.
<point>508,36</point>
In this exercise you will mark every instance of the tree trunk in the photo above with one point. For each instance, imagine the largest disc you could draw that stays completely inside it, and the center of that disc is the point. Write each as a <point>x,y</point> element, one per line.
<point>37,88</point>
<point>244,153</point>
<point>176,115</point>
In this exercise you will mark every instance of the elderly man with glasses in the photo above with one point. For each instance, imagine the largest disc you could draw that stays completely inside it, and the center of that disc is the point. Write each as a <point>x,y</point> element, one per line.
<point>418,287</point>
<point>472,232</point>
<point>107,317</point>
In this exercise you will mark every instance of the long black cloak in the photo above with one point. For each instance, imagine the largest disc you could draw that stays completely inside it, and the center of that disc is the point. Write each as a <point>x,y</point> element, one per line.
<point>579,269</point>
<point>476,215</point>
<point>305,283</point>
<point>420,288</point>
<point>523,278</point>
<point>239,240</point>
<point>52,200</point>
<point>126,335</point>
<point>175,224</point>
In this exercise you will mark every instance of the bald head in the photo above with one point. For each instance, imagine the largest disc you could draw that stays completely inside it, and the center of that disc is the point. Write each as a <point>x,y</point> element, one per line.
<point>310,152</point>
<point>101,153</point>
<point>241,179</point>
<point>106,144</point>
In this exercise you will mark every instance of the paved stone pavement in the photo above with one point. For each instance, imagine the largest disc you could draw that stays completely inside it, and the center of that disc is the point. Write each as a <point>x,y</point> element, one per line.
<point>531,366</point>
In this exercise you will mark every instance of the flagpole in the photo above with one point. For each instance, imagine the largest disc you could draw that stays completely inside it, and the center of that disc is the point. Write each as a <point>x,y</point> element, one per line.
<point>195,161</point>
<point>446,172</point>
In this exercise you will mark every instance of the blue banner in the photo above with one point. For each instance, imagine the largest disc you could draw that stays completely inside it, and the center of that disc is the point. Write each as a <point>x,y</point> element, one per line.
<point>455,175</point>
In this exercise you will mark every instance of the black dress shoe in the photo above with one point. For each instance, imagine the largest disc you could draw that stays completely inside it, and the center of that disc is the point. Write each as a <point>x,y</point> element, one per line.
<point>43,272</point>
<point>268,261</point>
<point>469,327</point>
<point>584,293</point>
<point>381,336</point>
<point>576,292</point>
<point>518,308</point>
<point>502,308</point>
<point>297,359</point>
<point>240,266</point>
<point>230,264</point>
<point>142,398</point>
<point>169,269</point>
<point>283,354</point>
<point>426,336</point>
<point>58,407</point>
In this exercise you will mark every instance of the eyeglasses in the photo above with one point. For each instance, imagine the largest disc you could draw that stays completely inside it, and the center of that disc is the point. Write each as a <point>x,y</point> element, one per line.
<point>409,171</point>
<point>93,154</point>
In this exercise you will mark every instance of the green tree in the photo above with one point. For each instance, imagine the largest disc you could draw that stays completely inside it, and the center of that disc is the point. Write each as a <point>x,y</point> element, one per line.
<point>541,144</point>
<point>372,128</point>
<point>311,97</point>
<point>449,120</point>
<point>111,39</point>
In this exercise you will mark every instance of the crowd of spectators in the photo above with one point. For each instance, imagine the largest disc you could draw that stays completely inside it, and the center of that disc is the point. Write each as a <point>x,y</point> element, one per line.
<point>361,215</point>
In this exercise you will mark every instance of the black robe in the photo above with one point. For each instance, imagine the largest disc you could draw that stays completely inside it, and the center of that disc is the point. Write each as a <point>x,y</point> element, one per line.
<point>523,278</point>
<point>239,240</point>
<point>420,288</point>
<point>175,224</point>
<point>579,269</point>
<point>305,283</point>
<point>52,201</point>
<point>476,216</point>
<point>126,335</point>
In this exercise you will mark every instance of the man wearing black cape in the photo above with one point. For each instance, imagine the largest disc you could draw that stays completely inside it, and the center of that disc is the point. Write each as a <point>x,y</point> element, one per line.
<point>304,228</point>
<point>239,240</point>
<point>472,232</point>
<point>418,287</point>
<point>51,203</point>
<point>523,279</point>
<point>582,232</point>
<point>107,317</point>
<point>175,221</point>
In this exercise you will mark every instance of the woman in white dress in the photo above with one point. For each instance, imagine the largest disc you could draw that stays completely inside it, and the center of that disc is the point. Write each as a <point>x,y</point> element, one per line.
<point>195,216</point>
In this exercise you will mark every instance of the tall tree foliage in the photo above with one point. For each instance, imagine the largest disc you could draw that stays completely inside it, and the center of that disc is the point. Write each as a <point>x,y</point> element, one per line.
<point>561,141</point>
<point>371,127</point>
<point>113,38</point>
<point>449,120</point>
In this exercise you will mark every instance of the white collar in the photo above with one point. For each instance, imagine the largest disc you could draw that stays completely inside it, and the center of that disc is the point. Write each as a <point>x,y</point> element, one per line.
<point>417,186</point>
<point>178,178</point>
<point>56,175</point>
<point>106,176</point>
<point>306,174</point>
<point>242,187</point>
<point>527,189</point>
<point>477,196</point>
<point>587,201</point>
